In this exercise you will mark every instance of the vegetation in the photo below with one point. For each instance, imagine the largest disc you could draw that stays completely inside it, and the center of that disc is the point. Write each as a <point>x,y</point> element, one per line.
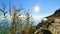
<point>22,23</point>
<point>19,24</point>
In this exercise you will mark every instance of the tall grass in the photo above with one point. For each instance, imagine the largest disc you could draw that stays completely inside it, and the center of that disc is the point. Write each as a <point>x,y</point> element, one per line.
<point>19,24</point>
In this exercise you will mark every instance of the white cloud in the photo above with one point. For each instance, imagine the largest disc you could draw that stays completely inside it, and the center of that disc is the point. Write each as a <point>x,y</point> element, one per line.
<point>38,17</point>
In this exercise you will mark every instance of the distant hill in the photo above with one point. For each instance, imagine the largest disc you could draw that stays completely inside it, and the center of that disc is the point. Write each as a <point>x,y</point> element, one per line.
<point>55,14</point>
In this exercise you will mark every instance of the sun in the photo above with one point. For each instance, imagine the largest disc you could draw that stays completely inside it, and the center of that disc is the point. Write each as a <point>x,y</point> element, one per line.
<point>36,8</point>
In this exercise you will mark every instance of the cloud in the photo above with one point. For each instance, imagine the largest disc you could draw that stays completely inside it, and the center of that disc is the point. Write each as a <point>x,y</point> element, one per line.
<point>37,17</point>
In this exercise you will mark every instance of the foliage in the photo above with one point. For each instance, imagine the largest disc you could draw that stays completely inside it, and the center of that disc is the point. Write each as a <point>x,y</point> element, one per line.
<point>21,23</point>
<point>17,25</point>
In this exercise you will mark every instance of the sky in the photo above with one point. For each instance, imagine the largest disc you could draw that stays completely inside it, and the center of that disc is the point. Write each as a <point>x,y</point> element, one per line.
<point>46,7</point>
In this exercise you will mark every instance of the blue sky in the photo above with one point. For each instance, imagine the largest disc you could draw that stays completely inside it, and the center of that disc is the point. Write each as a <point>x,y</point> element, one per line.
<point>47,7</point>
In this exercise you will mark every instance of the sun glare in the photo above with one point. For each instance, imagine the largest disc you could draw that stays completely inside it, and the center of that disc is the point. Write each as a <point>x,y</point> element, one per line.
<point>36,8</point>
